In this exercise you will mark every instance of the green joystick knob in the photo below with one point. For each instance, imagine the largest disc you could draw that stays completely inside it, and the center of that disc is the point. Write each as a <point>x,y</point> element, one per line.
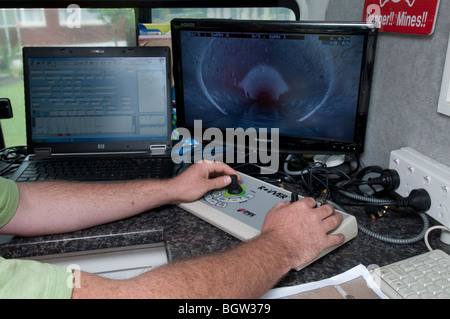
<point>234,188</point>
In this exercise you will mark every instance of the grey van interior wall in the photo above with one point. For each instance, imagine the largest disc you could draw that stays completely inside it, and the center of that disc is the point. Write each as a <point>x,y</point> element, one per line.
<point>405,90</point>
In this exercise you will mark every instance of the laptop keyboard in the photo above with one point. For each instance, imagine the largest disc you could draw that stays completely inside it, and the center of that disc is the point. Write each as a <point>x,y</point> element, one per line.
<point>98,169</point>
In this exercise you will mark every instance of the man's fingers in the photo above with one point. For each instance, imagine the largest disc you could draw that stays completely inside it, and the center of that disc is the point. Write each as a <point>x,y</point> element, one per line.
<point>220,182</point>
<point>332,222</point>
<point>219,168</point>
<point>309,201</point>
<point>335,239</point>
<point>325,210</point>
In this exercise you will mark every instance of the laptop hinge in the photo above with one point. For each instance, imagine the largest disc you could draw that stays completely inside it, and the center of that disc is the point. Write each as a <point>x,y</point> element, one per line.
<point>158,149</point>
<point>43,152</point>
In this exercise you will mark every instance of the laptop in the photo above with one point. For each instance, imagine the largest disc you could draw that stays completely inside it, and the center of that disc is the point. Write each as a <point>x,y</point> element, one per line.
<point>88,106</point>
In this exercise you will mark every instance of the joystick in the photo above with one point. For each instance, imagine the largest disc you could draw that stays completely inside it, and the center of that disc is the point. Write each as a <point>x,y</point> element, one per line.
<point>234,188</point>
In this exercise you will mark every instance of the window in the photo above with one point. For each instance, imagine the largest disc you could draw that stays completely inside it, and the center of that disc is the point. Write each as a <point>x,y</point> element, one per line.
<point>87,17</point>
<point>74,26</point>
<point>165,15</point>
<point>52,27</point>
<point>32,18</point>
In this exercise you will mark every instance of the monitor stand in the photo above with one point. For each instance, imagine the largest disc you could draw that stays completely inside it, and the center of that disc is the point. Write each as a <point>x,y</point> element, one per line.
<point>330,160</point>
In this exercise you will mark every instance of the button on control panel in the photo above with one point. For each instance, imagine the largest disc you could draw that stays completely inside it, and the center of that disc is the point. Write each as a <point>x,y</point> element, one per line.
<point>221,198</point>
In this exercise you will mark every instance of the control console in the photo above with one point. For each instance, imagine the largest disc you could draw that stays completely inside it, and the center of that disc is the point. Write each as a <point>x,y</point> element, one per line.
<point>240,209</point>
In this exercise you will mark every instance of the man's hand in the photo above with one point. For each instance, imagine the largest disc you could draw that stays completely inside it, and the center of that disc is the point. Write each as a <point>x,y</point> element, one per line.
<point>199,179</point>
<point>301,230</point>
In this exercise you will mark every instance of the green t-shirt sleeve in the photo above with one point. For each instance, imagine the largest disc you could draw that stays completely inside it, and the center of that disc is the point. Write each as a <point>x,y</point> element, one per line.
<point>27,279</point>
<point>9,200</point>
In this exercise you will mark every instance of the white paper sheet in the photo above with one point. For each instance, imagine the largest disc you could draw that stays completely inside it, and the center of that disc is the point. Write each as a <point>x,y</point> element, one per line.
<point>356,283</point>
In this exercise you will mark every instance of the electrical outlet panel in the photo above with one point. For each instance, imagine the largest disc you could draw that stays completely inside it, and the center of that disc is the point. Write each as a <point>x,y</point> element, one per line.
<point>419,171</point>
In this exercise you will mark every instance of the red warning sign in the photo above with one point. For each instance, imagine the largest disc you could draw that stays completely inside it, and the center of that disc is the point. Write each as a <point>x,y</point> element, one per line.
<point>402,16</point>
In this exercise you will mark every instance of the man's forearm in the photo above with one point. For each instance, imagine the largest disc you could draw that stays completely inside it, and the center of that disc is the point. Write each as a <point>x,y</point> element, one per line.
<point>55,207</point>
<point>246,271</point>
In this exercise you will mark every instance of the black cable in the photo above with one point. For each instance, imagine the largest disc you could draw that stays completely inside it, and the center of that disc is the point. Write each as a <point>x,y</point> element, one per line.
<point>319,179</point>
<point>12,157</point>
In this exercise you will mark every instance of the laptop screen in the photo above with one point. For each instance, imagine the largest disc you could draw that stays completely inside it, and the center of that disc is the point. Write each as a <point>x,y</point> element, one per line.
<point>97,101</point>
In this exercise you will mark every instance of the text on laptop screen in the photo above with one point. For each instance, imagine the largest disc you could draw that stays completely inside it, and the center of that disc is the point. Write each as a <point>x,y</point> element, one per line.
<point>98,99</point>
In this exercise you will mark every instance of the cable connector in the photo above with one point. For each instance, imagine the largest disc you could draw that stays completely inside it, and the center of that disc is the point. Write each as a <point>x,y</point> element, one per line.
<point>418,199</point>
<point>376,212</point>
<point>389,179</point>
<point>322,198</point>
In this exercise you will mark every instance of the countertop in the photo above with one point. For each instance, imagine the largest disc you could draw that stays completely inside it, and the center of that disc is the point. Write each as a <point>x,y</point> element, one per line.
<point>187,236</point>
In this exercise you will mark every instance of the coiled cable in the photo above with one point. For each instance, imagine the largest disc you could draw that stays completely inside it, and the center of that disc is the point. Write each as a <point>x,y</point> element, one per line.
<point>384,238</point>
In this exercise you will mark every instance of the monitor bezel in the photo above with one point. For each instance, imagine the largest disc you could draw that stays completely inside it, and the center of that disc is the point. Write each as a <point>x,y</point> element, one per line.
<point>289,144</point>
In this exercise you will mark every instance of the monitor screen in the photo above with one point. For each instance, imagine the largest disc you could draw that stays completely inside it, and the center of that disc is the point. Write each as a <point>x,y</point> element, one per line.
<point>310,81</point>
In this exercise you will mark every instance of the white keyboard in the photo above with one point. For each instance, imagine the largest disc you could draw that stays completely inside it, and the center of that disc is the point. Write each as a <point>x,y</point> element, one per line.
<point>425,276</point>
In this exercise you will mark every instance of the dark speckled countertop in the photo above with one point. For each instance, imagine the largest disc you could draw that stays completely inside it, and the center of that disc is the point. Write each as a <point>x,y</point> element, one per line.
<point>186,236</point>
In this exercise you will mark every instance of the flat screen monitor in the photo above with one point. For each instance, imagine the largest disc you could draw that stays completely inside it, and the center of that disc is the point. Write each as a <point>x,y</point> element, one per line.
<point>309,80</point>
